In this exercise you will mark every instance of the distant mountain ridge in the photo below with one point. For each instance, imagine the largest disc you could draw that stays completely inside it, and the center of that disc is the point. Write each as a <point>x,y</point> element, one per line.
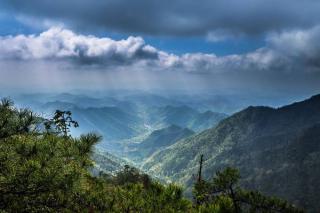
<point>125,120</point>
<point>112,122</point>
<point>122,120</point>
<point>184,116</point>
<point>276,150</point>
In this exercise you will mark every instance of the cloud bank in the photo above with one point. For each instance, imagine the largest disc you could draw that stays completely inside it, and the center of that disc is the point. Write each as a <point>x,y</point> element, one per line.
<point>285,52</point>
<point>289,60</point>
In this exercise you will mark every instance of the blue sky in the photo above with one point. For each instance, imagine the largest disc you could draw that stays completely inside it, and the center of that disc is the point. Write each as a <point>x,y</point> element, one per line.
<point>10,25</point>
<point>222,45</point>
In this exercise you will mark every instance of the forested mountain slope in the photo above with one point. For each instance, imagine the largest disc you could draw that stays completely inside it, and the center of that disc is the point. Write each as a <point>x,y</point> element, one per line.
<point>105,162</point>
<point>159,139</point>
<point>276,150</point>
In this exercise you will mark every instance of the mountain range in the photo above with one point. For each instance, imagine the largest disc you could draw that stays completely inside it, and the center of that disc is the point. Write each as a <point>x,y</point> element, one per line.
<point>183,116</point>
<point>126,118</point>
<point>276,149</point>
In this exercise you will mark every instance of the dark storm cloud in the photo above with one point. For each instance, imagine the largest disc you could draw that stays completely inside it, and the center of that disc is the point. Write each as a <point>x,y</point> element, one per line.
<point>175,17</point>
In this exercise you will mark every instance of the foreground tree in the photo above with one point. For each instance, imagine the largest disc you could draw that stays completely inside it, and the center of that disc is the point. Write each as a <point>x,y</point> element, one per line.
<point>48,171</point>
<point>224,194</point>
<point>40,171</point>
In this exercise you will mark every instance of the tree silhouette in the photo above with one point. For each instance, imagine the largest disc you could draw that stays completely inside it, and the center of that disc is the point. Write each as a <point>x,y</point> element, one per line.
<point>61,121</point>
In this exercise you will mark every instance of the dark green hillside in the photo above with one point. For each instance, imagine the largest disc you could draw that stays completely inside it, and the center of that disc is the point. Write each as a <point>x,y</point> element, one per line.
<point>277,151</point>
<point>159,139</point>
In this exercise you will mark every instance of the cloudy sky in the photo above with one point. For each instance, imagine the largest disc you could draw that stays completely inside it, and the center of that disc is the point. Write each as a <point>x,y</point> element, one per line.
<point>207,45</point>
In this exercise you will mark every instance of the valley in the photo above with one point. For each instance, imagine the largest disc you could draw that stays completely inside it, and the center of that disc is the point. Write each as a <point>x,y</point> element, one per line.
<point>271,147</point>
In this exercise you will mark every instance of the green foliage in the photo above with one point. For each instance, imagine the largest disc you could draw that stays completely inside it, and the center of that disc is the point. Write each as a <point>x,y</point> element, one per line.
<point>49,172</point>
<point>14,121</point>
<point>223,194</point>
<point>39,172</point>
<point>131,175</point>
<point>62,121</point>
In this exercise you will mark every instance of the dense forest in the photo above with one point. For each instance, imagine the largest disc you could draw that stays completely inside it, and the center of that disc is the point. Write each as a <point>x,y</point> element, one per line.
<point>44,169</point>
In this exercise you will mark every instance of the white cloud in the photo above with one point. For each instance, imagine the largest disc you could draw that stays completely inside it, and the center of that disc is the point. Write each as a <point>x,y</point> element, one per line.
<point>286,51</point>
<point>53,58</point>
<point>59,43</point>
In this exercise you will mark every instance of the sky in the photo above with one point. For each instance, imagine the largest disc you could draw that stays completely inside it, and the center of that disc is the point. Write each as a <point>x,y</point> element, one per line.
<point>219,46</point>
